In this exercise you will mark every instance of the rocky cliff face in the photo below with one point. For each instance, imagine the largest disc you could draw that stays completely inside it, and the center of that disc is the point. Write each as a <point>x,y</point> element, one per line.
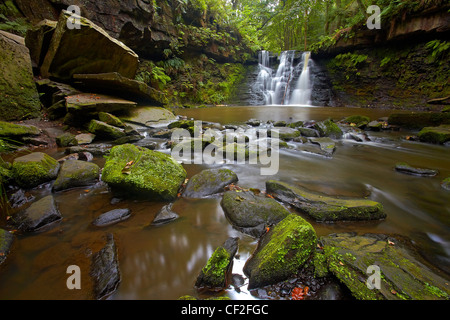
<point>402,65</point>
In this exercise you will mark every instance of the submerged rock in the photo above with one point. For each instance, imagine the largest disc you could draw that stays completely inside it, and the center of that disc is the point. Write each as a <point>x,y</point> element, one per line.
<point>112,217</point>
<point>105,270</point>
<point>214,276</point>
<point>403,273</point>
<point>165,215</point>
<point>251,213</point>
<point>281,252</point>
<point>327,145</point>
<point>407,169</point>
<point>142,172</point>
<point>37,216</point>
<point>446,183</point>
<point>325,208</point>
<point>33,169</point>
<point>76,173</point>
<point>208,182</point>
<point>6,241</point>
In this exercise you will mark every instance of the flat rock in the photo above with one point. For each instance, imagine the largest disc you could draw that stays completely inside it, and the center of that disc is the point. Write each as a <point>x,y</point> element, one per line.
<point>91,104</point>
<point>407,169</point>
<point>114,83</point>
<point>322,207</point>
<point>112,217</point>
<point>327,145</point>
<point>85,138</point>
<point>148,116</point>
<point>209,182</point>
<point>404,275</point>
<point>11,130</point>
<point>40,214</point>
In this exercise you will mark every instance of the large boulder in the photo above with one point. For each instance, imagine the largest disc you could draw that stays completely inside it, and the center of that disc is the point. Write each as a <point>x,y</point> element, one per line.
<point>404,275</point>
<point>251,213</point>
<point>148,116</point>
<point>330,129</point>
<point>325,208</point>
<point>76,173</point>
<point>19,98</point>
<point>142,172</point>
<point>209,182</point>
<point>34,169</point>
<point>281,252</point>
<point>87,50</point>
<point>40,214</point>
<point>17,131</point>
<point>214,275</point>
<point>38,39</point>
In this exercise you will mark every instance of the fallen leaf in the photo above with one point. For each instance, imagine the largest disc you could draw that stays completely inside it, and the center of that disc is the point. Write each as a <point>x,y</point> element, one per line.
<point>341,263</point>
<point>391,243</point>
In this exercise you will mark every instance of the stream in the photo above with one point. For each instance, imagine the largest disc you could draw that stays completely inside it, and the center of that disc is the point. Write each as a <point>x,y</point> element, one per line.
<point>163,262</point>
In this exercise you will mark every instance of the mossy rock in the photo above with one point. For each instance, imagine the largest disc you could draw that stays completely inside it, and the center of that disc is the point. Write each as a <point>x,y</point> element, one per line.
<point>407,169</point>
<point>437,135</point>
<point>110,119</point>
<point>251,213</point>
<point>181,124</point>
<point>76,173</point>
<point>214,274</point>
<point>66,140</point>
<point>281,252</point>
<point>34,169</point>
<point>328,128</point>
<point>284,133</point>
<point>12,131</point>
<point>209,182</point>
<point>142,172</point>
<point>404,275</point>
<point>357,120</point>
<point>325,208</point>
<point>105,131</point>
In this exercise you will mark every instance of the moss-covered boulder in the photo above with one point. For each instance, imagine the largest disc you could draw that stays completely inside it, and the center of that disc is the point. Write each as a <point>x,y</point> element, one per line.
<point>6,241</point>
<point>325,208</point>
<point>19,98</point>
<point>66,140</point>
<point>142,172</point>
<point>105,131</point>
<point>214,275</point>
<point>110,119</point>
<point>208,182</point>
<point>17,131</point>
<point>403,273</point>
<point>437,135</point>
<point>357,120</point>
<point>281,252</point>
<point>328,128</point>
<point>284,133</point>
<point>41,214</point>
<point>86,50</point>
<point>33,169</point>
<point>251,213</point>
<point>76,173</point>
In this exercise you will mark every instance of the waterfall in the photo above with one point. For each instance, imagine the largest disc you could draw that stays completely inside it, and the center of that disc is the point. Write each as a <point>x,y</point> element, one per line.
<point>278,88</point>
<point>302,92</point>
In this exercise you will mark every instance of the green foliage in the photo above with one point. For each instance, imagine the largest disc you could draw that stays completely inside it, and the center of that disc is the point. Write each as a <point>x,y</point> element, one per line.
<point>350,63</point>
<point>18,26</point>
<point>152,75</point>
<point>439,49</point>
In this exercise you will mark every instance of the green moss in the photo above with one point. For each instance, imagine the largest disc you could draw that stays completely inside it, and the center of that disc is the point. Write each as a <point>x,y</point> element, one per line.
<point>320,265</point>
<point>153,174</point>
<point>290,244</point>
<point>12,130</point>
<point>110,119</point>
<point>214,272</point>
<point>357,119</point>
<point>438,135</point>
<point>34,169</point>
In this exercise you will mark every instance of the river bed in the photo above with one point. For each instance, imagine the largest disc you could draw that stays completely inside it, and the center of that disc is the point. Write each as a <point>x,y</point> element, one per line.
<point>163,262</point>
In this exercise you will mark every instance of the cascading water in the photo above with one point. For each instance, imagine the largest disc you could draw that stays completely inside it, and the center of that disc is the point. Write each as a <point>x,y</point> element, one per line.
<point>278,88</point>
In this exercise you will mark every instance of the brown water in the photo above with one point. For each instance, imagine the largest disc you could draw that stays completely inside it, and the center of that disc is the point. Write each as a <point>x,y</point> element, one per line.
<point>163,262</point>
